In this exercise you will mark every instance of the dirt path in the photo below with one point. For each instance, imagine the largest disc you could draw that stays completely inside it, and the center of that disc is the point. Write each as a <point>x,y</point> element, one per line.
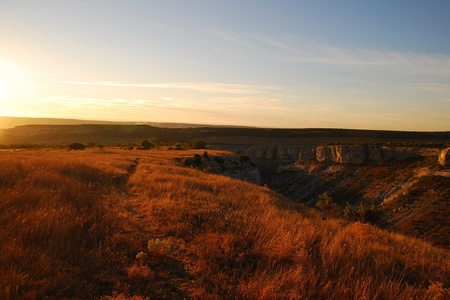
<point>170,280</point>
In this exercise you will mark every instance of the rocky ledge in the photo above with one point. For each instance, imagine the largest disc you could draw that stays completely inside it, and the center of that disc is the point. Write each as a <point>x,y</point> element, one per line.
<point>444,158</point>
<point>346,154</point>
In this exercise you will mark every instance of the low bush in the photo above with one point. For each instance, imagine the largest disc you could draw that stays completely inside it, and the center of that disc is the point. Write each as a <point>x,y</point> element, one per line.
<point>363,213</point>
<point>146,145</point>
<point>199,145</point>
<point>76,146</point>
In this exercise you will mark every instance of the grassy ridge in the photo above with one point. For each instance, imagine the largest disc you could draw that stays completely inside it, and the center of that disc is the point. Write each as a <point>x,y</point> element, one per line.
<point>116,133</point>
<point>117,224</point>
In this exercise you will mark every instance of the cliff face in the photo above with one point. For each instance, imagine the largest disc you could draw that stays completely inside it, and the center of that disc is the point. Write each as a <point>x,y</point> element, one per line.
<point>239,167</point>
<point>235,167</point>
<point>444,158</point>
<point>346,154</point>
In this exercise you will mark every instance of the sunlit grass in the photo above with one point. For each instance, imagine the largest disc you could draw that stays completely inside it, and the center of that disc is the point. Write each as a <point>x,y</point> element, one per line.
<point>124,224</point>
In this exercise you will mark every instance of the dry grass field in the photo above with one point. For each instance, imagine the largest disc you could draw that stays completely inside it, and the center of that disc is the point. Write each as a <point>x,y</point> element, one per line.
<point>119,224</point>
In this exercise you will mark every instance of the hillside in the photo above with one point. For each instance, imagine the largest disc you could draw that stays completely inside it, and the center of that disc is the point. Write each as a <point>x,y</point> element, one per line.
<point>413,195</point>
<point>10,122</point>
<point>120,133</point>
<point>116,224</point>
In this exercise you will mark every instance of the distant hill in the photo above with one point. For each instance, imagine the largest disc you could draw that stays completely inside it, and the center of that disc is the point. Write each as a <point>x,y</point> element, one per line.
<point>10,122</point>
<point>111,133</point>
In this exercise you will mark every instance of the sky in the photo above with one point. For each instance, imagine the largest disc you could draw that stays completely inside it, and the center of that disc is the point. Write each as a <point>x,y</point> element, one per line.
<point>284,64</point>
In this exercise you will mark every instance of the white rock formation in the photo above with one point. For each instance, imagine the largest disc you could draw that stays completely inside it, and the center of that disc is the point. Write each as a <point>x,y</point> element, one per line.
<point>444,157</point>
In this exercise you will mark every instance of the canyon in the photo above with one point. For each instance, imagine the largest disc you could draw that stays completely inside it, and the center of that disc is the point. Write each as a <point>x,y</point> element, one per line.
<point>410,184</point>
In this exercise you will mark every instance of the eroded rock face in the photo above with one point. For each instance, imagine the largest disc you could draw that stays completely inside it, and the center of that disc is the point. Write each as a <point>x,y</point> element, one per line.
<point>288,153</point>
<point>235,167</point>
<point>307,153</point>
<point>345,154</point>
<point>444,157</point>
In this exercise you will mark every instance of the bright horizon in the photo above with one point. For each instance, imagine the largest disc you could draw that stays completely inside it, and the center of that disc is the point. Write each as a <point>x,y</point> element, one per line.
<point>281,64</point>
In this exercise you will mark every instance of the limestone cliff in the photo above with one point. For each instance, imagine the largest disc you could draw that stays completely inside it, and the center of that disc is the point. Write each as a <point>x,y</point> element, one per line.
<point>346,154</point>
<point>444,158</point>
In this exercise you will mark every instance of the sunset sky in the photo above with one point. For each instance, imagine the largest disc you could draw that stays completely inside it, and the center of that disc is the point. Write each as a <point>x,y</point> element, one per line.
<point>340,64</point>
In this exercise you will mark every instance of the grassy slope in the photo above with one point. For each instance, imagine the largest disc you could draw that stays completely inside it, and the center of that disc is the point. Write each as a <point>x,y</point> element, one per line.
<point>414,194</point>
<point>72,223</point>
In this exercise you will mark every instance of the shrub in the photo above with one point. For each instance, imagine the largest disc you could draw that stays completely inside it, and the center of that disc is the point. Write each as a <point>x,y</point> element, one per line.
<point>187,162</point>
<point>140,271</point>
<point>159,247</point>
<point>219,159</point>
<point>325,203</point>
<point>197,160</point>
<point>199,145</point>
<point>246,158</point>
<point>146,145</point>
<point>364,213</point>
<point>77,146</point>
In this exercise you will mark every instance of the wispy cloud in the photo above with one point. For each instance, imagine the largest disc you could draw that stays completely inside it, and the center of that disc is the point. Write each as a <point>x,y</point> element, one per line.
<point>240,105</point>
<point>273,42</point>
<point>294,49</point>
<point>228,37</point>
<point>168,28</point>
<point>206,87</point>
<point>432,87</point>
<point>247,104</point>
<point>69,101</point>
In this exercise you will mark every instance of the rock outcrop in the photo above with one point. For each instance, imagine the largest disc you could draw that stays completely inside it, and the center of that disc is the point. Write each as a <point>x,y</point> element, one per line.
<point>345,154</point>
<point>444,157</point>
<point>239,167</point>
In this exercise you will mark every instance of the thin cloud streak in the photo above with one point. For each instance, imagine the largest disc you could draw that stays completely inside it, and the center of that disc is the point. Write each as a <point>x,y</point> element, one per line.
<point>228,37</point>
<point>296,50</point>
<point>216,105</point>
<point>429,63</point>
<point>206,87</point>
<point>247,104</point>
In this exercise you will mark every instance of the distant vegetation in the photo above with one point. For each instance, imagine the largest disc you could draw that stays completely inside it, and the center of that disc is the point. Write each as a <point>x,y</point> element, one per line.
<point>146,145</point>
<point>116,224</point>
<point>199,145</point>
<point>366,213</point>
<point>77,146</point>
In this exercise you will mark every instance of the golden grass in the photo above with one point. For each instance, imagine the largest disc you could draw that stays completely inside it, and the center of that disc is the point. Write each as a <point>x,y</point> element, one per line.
<point>135,224</point>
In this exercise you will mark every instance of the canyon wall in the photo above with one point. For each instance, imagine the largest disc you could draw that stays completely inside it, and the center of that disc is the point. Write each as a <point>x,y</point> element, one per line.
<point>346,154</point>
<point>444,157</point>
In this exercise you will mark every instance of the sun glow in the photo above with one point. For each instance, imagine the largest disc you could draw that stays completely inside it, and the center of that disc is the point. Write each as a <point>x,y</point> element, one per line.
<point>14,80</point>
<point>5,88</point>
<point>17,87</point>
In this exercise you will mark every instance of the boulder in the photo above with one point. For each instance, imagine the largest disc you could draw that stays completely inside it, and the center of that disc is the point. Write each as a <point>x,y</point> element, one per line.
<point>444,157</point>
